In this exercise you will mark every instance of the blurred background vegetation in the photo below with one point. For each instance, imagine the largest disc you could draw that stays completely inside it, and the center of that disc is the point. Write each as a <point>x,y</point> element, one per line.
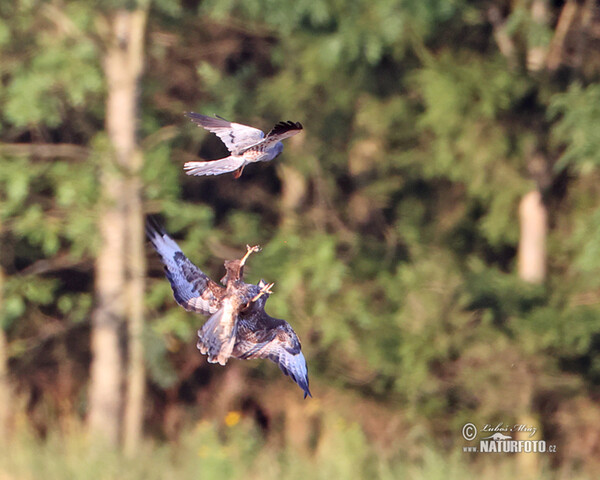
<point>434,235</point>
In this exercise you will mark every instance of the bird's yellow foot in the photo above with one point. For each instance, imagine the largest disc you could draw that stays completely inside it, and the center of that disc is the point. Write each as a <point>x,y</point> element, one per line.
<point>263,291</point>
<point>249,250</point>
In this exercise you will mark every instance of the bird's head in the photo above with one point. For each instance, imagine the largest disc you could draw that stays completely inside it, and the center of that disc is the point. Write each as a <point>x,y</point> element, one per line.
<point>234,270</point>
<point>277,149</point>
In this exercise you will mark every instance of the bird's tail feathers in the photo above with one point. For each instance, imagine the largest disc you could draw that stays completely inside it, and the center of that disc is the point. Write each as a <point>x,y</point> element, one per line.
<point>217,337</point>
<point>214,167</point>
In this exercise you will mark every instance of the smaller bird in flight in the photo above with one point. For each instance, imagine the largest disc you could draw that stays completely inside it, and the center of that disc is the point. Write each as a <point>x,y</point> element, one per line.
<point>246,144</point>
<point>238,325</point>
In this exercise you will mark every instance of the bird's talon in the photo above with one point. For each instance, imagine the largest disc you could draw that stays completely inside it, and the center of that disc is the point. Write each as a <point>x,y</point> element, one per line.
<point>249,250</point>
<point>263,291</point>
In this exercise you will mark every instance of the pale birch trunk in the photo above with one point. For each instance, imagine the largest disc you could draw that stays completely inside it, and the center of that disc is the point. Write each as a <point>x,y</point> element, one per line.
<point>538,51</point>
<point>136,264</point>
<point>107,364</point>
<point>533,220</point>
<point>136,375</point>
<point>120,265</point>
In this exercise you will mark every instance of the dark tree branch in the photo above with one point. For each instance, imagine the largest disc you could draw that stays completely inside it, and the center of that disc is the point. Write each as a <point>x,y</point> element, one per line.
<point>45,150</point>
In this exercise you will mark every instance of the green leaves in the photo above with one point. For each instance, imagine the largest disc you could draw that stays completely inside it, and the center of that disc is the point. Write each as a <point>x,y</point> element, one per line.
<point>577,112</point>
<point>62,74</point>
<point>21,291</point>
<point>391,237</point>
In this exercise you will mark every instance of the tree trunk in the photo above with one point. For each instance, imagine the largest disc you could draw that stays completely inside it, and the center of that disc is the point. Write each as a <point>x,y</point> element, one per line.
<point>533,219</point>
<point>120,265</point>
<point>538,50</point>
<point>557,45</point>
<point>293,191</point>
<point>108,317</point>
<point>136,375</point>
<point>4,382</point>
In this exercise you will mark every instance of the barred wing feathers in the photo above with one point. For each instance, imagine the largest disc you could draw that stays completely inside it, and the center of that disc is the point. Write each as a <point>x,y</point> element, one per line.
<point>235,136</point>
<point>192,289</point>
<point>262,336</point>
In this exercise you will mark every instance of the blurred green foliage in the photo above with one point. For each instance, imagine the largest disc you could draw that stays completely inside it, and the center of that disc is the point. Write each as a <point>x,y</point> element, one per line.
<point>389,226</point>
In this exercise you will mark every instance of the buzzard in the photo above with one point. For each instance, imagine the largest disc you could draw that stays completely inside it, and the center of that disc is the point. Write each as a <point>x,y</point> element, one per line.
<point>246,144</point>
<point>238,326</point>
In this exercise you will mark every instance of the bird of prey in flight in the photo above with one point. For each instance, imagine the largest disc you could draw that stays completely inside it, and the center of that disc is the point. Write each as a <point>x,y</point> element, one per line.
<point>246,144</point>
<point>238,326</point>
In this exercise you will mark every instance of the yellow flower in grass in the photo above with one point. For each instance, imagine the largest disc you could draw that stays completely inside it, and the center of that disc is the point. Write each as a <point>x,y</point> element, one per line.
<point>232,418</point>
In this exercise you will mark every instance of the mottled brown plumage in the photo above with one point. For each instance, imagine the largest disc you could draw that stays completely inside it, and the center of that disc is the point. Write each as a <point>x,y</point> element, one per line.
<point>238,326</point>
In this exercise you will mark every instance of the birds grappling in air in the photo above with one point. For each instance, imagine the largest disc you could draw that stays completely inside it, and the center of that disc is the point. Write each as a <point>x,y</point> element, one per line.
<point>246,144</point>
<point>238,326</point>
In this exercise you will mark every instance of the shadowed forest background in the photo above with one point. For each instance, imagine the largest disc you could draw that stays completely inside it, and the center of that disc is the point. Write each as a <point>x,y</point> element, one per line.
<point>433,235</point>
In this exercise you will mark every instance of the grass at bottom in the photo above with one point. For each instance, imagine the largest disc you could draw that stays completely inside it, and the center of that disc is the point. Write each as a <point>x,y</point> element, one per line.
<point>208,452</point>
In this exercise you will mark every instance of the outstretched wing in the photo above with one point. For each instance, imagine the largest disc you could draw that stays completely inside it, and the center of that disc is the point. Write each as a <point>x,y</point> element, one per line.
<point>292,364</point>
<point>280,131</point>
<point>235,136</point>
<point>261,336</point>
<point>216,167</point>
<point>192,289</point>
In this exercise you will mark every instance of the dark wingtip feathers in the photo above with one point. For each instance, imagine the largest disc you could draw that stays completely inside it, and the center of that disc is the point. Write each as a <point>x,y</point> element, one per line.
<point>289,125</point>
<point>195,117</point>
<point>153,228</point>
<point>301,381</point>
<point>283,127</point>
<point>306,391</point>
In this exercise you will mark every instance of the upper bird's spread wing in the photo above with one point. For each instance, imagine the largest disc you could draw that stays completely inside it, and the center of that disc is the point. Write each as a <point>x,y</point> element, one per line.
<point>261,336</point>
<point>235,136</point>
<point>192,289</point>
<point>215,167</point>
